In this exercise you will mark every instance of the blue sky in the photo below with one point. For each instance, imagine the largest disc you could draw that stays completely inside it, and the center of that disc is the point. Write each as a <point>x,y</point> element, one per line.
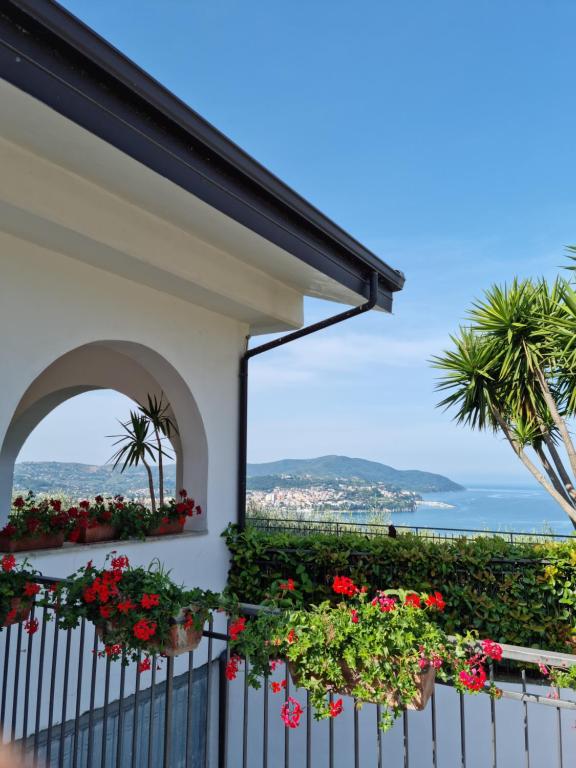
<point>440,134</point>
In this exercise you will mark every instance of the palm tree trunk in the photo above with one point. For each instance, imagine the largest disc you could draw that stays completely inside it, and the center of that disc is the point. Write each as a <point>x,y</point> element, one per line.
<point>532,468</point>
<point>558,420</point>
<point>150,484</point>
<point>562,473</point>
<point>552,474</point>
<point>160,468</point>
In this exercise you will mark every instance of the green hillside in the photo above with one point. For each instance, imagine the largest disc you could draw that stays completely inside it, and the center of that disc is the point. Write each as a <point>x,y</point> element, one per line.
<point>343,467</point>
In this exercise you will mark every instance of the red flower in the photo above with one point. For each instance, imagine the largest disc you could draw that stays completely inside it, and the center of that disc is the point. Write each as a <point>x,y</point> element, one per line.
<point>144,629</point>
<point>436,601</point>
<point>32,523</point>
<point>31,589</point>
<point>232,667</point>
<point>74,535</point>
<point>98,499</point>
<point>492,649</point>
<point>183,493</point>
<point>336,708</point>
<point>342,585</point>
<point>354,616</point>
<point>11,615</point>
<point>287,586</point>
<point>8,563</point>
<point>56,504</point>
<point>277,687</point>
<point>413,600</point>
<point>237,627</point>
<point>31,626</point>
<point>291,637</point>
<point>113,650</point>
<point>105,611</point>
<point>9,529</point>
<point>89,595</point>
<point>120,562</point>
<point>150,601</point>
<point>85,504</point>
<point>475,679</point>
<point>125,606</point>
<point>291,713</point>
<point>145,665</point>
<point>18,502</point>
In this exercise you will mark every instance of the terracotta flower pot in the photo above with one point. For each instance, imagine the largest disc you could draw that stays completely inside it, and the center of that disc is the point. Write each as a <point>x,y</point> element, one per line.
<point>181,639</point>
<point>43,541</point>
<point>165,529</point>
<point>99,532</point>
<point>381,694</point>
<point>22,608</point>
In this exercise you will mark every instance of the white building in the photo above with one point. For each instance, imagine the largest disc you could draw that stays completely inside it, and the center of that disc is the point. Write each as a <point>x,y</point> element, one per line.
<point>139,250</point>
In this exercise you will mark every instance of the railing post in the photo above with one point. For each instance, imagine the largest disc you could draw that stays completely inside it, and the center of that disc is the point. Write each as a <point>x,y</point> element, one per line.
<point>168,711</point>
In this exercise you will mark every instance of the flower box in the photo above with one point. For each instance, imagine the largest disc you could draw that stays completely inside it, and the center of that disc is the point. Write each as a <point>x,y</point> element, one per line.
<point>98,532</point>
<point>43,541</point>
<point>22,608</point>
<point>381,694</point>
<point>182,639</point>
<point>165,529</point>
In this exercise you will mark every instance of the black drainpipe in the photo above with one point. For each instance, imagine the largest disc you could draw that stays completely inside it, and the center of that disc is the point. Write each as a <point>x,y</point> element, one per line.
<point>243,416</point>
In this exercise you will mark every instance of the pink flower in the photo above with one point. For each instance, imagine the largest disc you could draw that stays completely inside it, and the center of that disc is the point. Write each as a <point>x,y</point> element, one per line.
<point>492,649</point>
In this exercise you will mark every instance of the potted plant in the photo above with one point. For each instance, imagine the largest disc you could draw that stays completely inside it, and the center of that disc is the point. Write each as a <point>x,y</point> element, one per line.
<point>35,524</point>
<point>136,610</point>
<point>385,649</point>
<point>18,588</point>
<point>170,517</point>
<point>94,521</point>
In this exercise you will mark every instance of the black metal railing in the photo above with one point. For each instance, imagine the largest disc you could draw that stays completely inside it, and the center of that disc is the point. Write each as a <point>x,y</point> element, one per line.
<point>63,705</point>
<point>305,526</point>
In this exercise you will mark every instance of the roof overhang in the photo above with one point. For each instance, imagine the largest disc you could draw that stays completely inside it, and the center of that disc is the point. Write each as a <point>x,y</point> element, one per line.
<point>50,55</point>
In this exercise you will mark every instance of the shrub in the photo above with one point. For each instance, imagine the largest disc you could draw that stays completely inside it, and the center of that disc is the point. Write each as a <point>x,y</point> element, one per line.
<point>521,593</point>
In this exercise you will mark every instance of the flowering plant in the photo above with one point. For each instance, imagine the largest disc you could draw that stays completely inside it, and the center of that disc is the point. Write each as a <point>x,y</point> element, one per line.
<point>135,609</point>
<point>385,648</point>
<point>30,516</point>
<point>89,514</point>
<point>177,510</point>
<point>18,589</point>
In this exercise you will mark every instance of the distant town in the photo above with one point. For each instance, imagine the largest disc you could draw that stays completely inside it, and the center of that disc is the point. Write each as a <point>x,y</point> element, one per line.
<point>302,494</point>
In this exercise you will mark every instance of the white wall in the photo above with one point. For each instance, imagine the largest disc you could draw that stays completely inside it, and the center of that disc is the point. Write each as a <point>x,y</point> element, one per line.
<point>51,304</point>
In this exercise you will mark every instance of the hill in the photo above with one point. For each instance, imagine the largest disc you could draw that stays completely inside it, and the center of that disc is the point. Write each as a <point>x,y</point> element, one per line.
<point>344,467</point>
<point>88,479</point>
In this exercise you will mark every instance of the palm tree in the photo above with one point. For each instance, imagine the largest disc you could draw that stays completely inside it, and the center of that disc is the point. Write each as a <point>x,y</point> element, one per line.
<point>512,371</point>
<point>156,411</point>
<point>136,448</point>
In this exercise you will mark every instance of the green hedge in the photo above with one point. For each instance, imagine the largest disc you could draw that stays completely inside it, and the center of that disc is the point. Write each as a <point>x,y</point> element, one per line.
<point>521,593</point>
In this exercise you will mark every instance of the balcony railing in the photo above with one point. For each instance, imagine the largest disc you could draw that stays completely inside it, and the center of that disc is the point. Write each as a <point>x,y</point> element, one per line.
<point>305,525</point>
<point>63,705</point>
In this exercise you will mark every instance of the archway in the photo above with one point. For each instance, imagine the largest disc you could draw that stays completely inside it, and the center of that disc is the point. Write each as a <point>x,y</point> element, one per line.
<point>133,370</point>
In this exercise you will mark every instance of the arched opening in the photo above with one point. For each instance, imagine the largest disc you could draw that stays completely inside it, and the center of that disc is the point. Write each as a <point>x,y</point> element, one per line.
<point>133,370</point>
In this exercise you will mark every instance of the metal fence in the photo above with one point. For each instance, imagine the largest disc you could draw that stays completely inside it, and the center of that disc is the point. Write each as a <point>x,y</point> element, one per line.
<point>63,705</point>
<point>305,526</point>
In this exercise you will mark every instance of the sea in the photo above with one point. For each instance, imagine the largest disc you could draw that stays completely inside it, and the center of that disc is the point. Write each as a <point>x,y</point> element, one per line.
<point>526,510</point>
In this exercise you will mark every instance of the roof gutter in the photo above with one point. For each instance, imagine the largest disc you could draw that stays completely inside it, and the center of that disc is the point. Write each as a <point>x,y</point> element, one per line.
<point>243,399</point>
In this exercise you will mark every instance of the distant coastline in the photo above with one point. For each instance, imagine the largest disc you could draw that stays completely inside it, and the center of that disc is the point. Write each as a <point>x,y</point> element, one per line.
<point>435,504</point>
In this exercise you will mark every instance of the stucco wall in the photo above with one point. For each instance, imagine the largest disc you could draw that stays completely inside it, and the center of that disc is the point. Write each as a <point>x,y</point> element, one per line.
<point>52,304</point>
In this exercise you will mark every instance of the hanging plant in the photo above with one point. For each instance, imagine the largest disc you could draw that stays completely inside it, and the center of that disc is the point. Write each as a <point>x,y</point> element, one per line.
<point>18,588</point>
<point>386,649</point>
<point>135,610</point>
<point>35,524</point>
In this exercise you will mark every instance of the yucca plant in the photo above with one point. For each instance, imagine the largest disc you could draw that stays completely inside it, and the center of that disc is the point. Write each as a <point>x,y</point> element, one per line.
<point>512,370</point>
<point>157,411</point>
<point>136,448</point>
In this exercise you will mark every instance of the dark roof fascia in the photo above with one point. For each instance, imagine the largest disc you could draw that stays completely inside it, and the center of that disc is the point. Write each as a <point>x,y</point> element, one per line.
<point>50,54</point>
